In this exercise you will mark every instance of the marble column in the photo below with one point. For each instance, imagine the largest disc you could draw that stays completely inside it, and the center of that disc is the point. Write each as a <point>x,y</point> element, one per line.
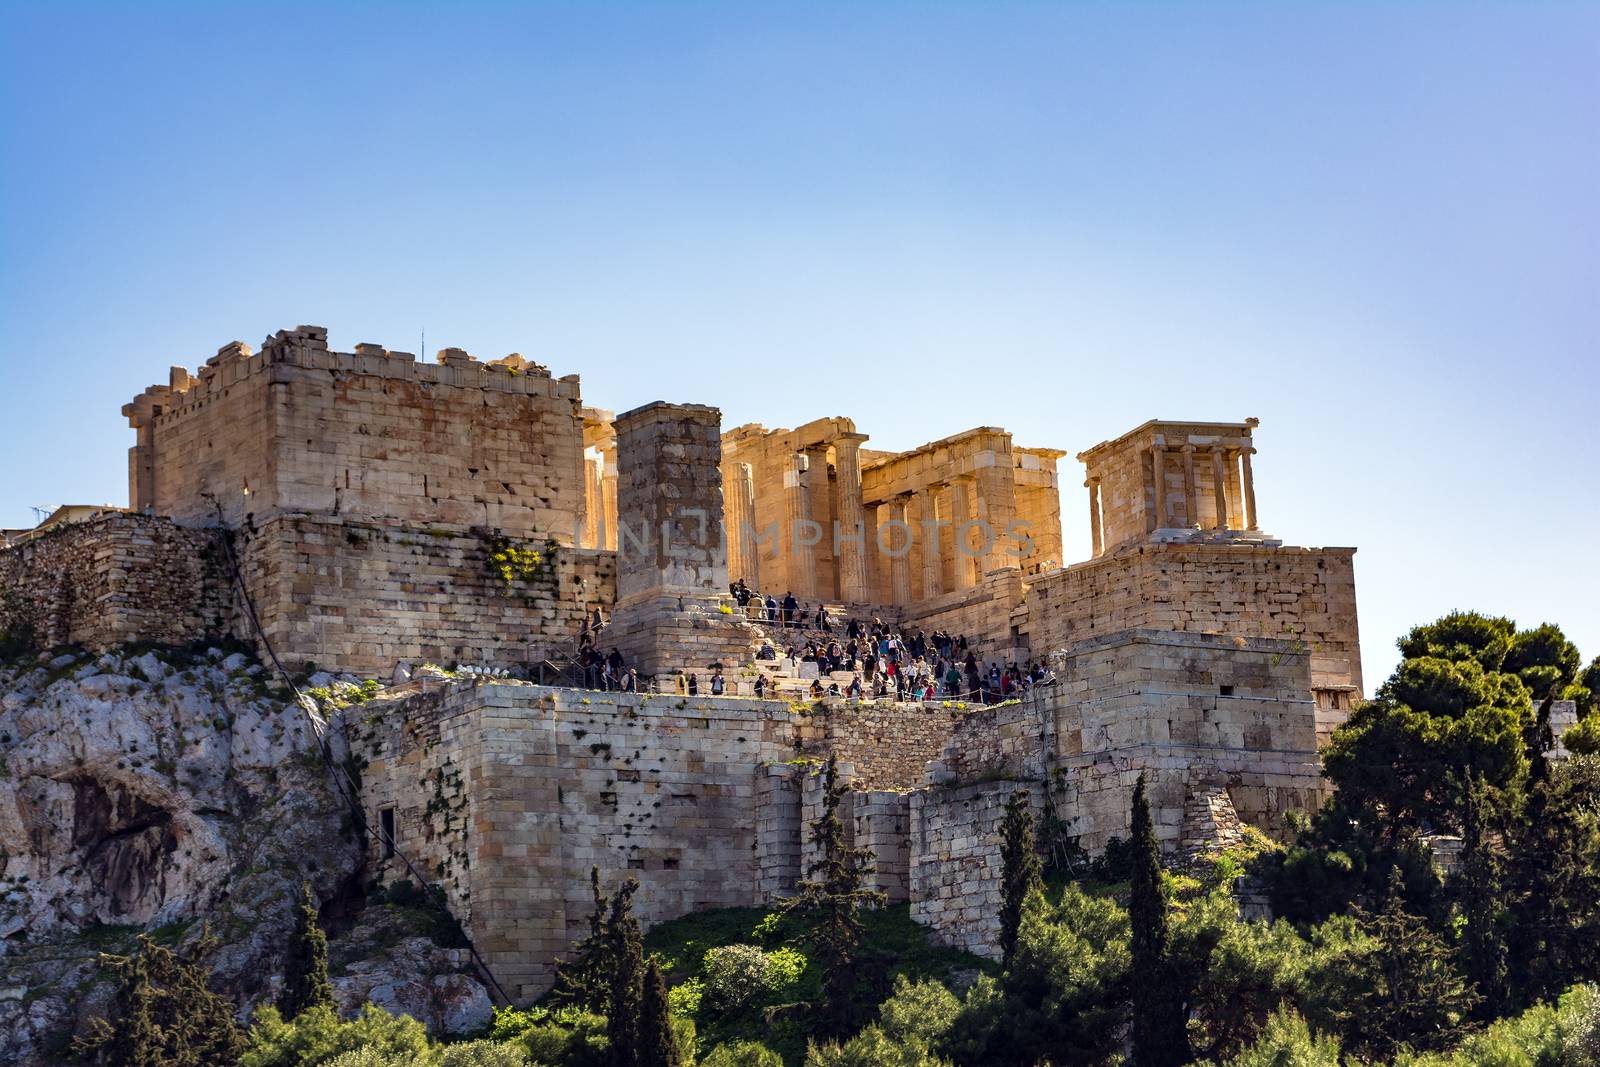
<point>1250,520</point>
<point>900,539</point>
<point>1235,495</point>
<point>932,540</point>
<point>608,494</point>
<point>1219,484</point>
<point>746,561</point>
<point>802,560</point>
<point>593,501</point>
<point>852,557</point>
<point>1191,496</point>
<point>1158,479</point>
<point>963,552</point>
<point>1096,537</point>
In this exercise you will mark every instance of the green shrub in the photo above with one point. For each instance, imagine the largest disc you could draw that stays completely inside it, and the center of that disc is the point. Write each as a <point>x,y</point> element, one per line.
<point>317,1036</point>
<point>1286,1041</point>
<point>736,975</point>
<point>741,1054</point>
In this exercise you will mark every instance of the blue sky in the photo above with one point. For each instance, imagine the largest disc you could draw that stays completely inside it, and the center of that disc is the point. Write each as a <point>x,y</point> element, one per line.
<point>1374,227</point>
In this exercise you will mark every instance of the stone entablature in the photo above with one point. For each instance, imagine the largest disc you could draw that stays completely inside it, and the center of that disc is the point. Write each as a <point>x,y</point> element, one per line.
<point>370,434</point>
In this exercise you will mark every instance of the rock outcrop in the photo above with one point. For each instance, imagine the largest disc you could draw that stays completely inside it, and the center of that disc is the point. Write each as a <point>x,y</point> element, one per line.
<point>163,790</point>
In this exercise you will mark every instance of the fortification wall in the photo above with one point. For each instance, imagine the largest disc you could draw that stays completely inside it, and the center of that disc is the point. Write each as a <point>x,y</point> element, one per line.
<point>371,434</point>
<point>989,615</point>
<point>1304,595</point>
<point>557,781</point>
<point>365,595</point>
<point>885,743</point>
<point>954,869</point>
<point>115,579</point>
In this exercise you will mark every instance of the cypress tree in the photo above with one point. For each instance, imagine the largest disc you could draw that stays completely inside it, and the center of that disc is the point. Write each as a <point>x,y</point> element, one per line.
<point>165,1013</point>
<point>625,949</point>
<point>1481,902</point>
<point>1019,863</point>
<point>658,1041</point>
<point>585,980</point>
<point>305,971</point>
<point>833,896</point>
<point>1160,1028</point>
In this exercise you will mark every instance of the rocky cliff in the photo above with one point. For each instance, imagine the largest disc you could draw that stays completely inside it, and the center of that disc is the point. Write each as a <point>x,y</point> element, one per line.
<point>161,790</point>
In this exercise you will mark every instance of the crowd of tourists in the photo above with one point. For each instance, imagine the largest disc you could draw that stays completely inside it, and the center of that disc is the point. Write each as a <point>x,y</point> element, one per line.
<point>884,663</point>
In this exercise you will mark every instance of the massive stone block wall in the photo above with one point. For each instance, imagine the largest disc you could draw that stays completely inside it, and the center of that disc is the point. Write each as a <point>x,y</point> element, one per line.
<point>1304,595</point>
<point>1199,715</point>
<point>371,434</point>
<point>366,595</point>
<point>552,782</point>
<point>116,579</point>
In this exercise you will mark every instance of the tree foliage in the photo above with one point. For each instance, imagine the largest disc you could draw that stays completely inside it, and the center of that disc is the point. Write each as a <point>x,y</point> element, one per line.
<point>164,1012</point>
<point>1159,1037</point>
<point>305,972</point>
<point>1019,866</point>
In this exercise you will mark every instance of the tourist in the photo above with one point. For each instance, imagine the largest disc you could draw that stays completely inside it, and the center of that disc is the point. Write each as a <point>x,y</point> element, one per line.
<point>791,609</point>
<point>816,687</point>
<point>694,685</point>
<point>855,687</point>
<point>772,609</point>
<point>630,681</point>
<point>683,684</point>
<point>761,684</point>
<point>717,684</point>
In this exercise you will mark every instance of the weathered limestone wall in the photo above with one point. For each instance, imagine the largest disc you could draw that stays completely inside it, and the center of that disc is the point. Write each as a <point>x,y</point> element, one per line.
<point>1304,595</point>
<point>1202,717</point>
<point>954,868</point>
<point>366,595</point>
<point>116,579</point>
<point>886,743</point>
<point>556,781</point>
<point>990,615</point>
<point>371,435</point>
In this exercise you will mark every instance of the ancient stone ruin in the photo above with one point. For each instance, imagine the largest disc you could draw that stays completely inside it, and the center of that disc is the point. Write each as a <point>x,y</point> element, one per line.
<point>374,511</point>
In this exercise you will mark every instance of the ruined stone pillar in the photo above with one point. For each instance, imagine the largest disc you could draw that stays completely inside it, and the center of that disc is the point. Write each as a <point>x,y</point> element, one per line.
<point>1191,499</point>
<point>1250,520</point>
<point>1095,536</point>
<point>963,552</point>
<point>1158,479</point>
<point>900,539</point>
<point>1219,484</point>
<point>852,557</point>
<point>802,559</point>
<point>995,502</point>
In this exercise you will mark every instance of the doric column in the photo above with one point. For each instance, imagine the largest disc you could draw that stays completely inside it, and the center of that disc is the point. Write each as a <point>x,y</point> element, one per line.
<point>900,562</point>
<point>852,555</point>
<point>1191,499</point>
<point>593,500</point>
<point>1158,478</point>
<point>1219,480</point>
<point>608,494</point>
<point>963,553</point>
<point>931,539</point>
<point>746,562</point>
<point>802,556</point>
<point>1095,535</point>
<point>1250,520</point>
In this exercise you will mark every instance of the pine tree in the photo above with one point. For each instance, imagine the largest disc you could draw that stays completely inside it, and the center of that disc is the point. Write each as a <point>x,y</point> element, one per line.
<point>833,895</point>
<point>165,1012</point>
<point>305,972</point>
<point>1019,863</point>
<point>585,980</point>
<point>1555,893</point>
<point>625,949</point>
<point>1160,1035</point>
<point>658,1041</point>
<point>1400,987</point>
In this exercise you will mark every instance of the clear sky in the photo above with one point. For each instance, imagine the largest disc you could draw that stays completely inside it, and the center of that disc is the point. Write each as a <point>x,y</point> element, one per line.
<point>1373,226</point>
